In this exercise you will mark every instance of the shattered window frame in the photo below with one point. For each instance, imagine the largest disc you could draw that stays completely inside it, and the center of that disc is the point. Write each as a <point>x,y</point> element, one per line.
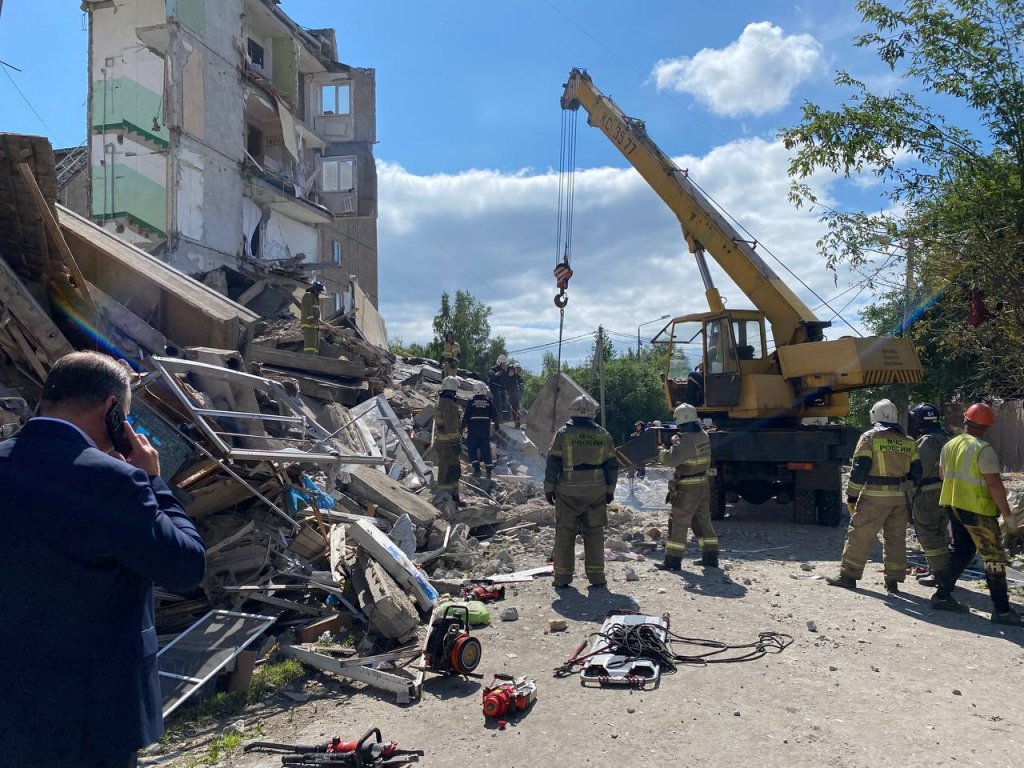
<point>383,430</point>
<point>324,449</point>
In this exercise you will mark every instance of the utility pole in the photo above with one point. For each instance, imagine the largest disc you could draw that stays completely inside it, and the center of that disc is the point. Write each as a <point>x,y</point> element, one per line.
<point>903,390</point>
<point>600,370</point>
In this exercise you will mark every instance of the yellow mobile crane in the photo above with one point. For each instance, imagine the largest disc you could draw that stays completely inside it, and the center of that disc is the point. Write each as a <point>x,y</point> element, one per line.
<point>720,361</point>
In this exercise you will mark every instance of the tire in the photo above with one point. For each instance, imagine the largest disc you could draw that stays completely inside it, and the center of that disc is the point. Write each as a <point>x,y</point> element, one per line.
<point>805,507</point>
<point>716,495</point>
<point>830,508</point>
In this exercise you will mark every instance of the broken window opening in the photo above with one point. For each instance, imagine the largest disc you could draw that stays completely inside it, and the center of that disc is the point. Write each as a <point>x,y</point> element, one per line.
<point>254,141</point>
<point>339,174</point>
<point>336,252</point>
<point>255,51</point>
<point>335,99</point>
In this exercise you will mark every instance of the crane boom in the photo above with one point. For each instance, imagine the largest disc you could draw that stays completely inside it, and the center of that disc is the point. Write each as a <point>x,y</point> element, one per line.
<point>791,320</point>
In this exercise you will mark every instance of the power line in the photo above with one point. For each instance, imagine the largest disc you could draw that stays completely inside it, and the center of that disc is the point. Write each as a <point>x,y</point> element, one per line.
<point>6,67</point>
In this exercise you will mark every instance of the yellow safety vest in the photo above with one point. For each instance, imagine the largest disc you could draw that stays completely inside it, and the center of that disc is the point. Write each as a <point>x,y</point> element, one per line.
<point>963,485</point>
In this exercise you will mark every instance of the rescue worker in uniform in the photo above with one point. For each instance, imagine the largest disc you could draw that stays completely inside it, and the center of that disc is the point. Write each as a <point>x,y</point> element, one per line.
<point>496,380</point>
<point>448,439</point>
<point>974,495</point>
<point>930,521</point>
<point>310,322</point>
<point>884,460</point>
<point>688,491</point>
<point>514,388</point>
<point>450,355</point>
<point>579,480</point>
<point>477,420</point>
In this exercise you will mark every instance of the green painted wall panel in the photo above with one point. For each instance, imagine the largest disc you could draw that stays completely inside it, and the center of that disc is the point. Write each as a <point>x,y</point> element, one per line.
<point>286,68</point>
<point>122,103</point>
<point>141,200</point>
<point>191,13</point>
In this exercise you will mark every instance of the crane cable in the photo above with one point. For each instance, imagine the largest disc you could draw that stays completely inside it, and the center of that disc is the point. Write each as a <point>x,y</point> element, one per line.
<point>563,247</point>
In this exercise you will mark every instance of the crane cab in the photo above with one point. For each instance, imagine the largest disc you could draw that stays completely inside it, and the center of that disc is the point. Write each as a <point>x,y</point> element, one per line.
<point>709,354</point>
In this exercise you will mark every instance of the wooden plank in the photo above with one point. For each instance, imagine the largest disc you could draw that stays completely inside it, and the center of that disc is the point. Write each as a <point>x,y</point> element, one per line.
<point>27,352</point>
<point>54,230</point>
<point>325,366</point>
<point>19,302</point>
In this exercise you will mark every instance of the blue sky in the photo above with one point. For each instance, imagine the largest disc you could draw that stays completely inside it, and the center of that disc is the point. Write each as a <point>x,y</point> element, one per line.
<point>468,127</point>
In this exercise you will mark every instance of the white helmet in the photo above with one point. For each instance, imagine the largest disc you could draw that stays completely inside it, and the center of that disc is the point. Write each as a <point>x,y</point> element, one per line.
<point>583,406</point>
<point>481,388</point>
<point>502,359</point>
<point>884,410</point>
<point>450,384</point>
<point>656,424</point>
<point>685,414</point>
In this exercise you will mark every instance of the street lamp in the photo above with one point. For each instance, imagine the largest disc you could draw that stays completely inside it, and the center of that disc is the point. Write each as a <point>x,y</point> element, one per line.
<point>663,317</point>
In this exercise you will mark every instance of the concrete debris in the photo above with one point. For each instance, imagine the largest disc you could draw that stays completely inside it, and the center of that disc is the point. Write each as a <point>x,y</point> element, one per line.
<point>307,474</point>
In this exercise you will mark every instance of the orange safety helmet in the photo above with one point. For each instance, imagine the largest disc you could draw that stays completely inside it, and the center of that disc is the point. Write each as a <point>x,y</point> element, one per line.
<point>980,414</point>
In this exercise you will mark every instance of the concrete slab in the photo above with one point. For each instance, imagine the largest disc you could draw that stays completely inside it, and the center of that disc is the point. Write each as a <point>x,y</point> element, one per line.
<point>550,410</point>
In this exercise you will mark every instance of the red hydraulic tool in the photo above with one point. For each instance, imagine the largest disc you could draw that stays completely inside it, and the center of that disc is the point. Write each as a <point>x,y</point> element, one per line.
<point>508,695</point>
<point>360,753</point>
<point>484,594</point>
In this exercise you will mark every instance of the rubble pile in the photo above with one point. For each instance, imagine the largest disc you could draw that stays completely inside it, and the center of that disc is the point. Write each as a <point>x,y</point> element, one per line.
<point>307,475</point>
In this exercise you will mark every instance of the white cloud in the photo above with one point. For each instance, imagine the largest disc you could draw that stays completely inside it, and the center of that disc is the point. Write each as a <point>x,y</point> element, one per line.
<point>754,75</point>
<point>493,235</point>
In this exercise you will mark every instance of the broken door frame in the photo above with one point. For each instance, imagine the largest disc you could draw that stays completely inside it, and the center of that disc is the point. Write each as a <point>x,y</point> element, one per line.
<point>197,683</point>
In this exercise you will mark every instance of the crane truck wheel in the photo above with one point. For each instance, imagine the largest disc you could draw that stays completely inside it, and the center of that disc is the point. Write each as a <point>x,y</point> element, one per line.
<point>830,508</point>
<point>805,506</point>
<point>716,494</point>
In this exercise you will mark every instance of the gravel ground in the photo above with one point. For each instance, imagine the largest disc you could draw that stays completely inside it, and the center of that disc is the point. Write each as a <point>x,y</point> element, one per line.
<point>869,680</point>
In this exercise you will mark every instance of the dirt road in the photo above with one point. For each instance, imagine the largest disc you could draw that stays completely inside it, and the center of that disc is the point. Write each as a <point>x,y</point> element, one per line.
<point>879,680</point>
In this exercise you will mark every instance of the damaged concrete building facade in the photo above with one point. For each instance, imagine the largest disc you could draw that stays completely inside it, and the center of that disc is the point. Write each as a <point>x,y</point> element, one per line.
<point>224,137</point>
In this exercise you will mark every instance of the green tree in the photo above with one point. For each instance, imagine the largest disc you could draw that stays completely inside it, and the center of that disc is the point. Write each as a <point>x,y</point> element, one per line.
<point>471,322</point>
<point>957,191</point>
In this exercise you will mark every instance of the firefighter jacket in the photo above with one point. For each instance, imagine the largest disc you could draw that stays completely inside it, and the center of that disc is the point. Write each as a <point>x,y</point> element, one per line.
<point>451,351</point>
<point>480,413</point>
<point>963,483</point>
<point>514,384</point>
<point>582,455</point>
<point>691,456</point>
<point>496,379</point>
<point>884,459</point>
<point>447,419</point>
<point>929,447</point>
<point>310,308</point>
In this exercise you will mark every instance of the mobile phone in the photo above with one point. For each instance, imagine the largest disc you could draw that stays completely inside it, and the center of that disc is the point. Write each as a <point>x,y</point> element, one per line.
<point>115,428</point>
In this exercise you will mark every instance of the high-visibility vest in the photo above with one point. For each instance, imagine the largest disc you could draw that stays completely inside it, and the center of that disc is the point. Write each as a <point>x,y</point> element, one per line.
<point>963,485</point>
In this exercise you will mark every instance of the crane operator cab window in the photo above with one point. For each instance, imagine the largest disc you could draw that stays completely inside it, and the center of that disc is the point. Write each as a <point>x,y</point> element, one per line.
<point>749,345</point>
<point>722,371</point>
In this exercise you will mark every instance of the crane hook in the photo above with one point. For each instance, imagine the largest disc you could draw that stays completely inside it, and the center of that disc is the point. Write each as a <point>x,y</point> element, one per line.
<point>562,274</point>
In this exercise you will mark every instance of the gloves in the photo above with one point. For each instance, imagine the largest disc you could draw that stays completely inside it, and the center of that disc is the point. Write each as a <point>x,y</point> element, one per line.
<point>457,448</point>
<point>549,496</point>
<point>668,497</point>
<point>851,504</point>
<point>609,497</point>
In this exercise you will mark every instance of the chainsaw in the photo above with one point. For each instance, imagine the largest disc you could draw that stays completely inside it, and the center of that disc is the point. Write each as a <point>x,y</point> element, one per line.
<point>483,593</point>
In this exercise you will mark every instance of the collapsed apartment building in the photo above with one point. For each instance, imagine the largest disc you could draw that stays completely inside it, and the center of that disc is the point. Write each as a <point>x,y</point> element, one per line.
<point>308,475</point>
<point>224,137</point>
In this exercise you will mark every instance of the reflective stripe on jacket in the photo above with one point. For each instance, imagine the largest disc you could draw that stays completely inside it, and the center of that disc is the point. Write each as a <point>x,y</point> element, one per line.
<point>582,454</point>
<point>963,485</point>
<point>882,461</point>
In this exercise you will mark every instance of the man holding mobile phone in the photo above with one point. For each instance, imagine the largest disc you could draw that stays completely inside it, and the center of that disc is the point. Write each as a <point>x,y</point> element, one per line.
<point>88,529</point>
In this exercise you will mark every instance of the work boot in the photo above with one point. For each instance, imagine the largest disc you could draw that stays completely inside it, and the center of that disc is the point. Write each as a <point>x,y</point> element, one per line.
<point>1008,617</point>
<point>927,580</point>
<point>476,471</point>
<point>490,470</point>
<point>841,580</point>
<point>671,563</point>
<point>458,502</point>
<point>892,586</point>
<point>566,585</point>
<point>707,560</point>
<point>945,602</point>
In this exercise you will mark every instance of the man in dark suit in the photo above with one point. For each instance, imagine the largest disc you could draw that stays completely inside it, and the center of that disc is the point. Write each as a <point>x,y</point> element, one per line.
<point>86,532</point>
